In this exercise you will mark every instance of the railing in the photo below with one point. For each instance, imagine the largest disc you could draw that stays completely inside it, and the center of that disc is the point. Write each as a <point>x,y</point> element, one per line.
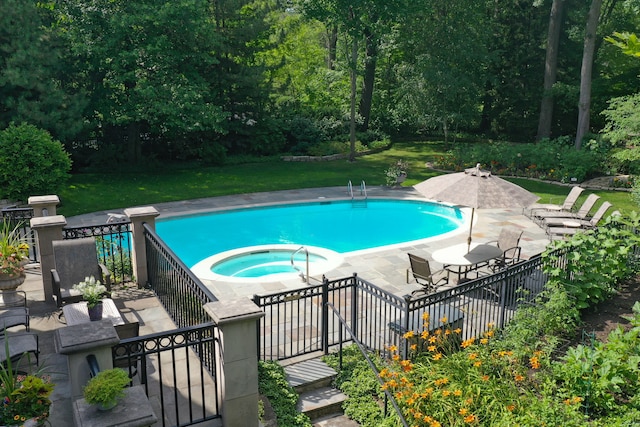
<point>363,189</point>
<point>350,189</point>
<point>177,369</point>
<point>305,278</point>
<point>113,242</point>
<point>297,322</point>
<point>387,395</point>
<point>19,218</point>
<point>181,293</point>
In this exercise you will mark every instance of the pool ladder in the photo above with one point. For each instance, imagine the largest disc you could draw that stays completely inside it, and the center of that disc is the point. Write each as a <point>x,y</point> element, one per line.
<point>358,202</point>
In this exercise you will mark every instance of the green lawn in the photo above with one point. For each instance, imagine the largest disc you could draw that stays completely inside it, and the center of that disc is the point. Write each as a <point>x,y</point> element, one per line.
<point>90,192</point>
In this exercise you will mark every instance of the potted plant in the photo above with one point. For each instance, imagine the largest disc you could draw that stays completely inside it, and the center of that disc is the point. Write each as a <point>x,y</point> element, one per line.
<point>106,388</point>
<point>14,254</point>
<point>25,397</point>
<point>92,292</point>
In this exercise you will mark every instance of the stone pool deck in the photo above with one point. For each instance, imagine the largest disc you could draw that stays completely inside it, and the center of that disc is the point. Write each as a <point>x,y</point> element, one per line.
<point>385,268</point>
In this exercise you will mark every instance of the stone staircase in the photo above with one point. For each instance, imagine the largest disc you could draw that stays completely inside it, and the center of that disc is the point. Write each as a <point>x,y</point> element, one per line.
<point>318,399</point>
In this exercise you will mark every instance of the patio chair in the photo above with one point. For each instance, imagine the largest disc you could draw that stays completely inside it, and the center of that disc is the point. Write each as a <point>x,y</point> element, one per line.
<point>15,346</point>
<point>421,272</point>
<point>509,243</point>
<point>566,206</point>
<point>572,226</point>
<point>75,260</point>
<point>129,364</point>
<point>14,310</point>
<point>541,216</point>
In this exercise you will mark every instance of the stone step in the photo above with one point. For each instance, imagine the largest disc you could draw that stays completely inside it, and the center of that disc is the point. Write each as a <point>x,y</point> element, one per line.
<point>335,421</point>
<point>321,402</point>
<point>309,375</point>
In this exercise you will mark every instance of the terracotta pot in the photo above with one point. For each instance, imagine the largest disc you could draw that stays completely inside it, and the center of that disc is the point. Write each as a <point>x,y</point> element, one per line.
<point>95,312</point>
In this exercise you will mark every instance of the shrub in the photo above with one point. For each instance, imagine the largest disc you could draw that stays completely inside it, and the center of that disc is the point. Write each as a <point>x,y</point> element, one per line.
<point>32,162</point>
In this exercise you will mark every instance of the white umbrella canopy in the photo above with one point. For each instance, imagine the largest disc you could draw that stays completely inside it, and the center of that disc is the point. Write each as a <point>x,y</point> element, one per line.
<point>476,189</point>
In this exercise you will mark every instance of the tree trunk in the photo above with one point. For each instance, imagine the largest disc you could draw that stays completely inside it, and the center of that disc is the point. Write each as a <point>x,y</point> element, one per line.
<point>352,124</point>
<point>332,41</point>
<point>550,70</point>
<point>370,61</point>
<point>584,104</point>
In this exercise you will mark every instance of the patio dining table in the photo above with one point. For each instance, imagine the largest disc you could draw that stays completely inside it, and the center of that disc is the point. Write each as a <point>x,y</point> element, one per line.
<point>465,258</point>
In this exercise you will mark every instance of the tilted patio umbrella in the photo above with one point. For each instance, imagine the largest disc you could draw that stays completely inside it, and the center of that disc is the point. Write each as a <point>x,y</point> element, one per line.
<point>476,189</point>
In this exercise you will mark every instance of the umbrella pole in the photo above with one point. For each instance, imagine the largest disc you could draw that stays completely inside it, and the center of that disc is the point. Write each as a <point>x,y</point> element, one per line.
<point>470,228</point>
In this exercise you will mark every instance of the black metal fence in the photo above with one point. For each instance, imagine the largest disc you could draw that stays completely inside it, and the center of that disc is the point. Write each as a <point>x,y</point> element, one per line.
<point>181,293</point>
<point>19,218</point>
<point>297,322</point>
<point>113,242</point>
<point>178,372</point>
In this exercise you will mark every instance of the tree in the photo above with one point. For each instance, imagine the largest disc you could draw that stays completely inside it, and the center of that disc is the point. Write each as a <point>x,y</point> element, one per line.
<point>36,83</point>
<point>550,70</point>
<point>355,21</point>
<point>147,67</point>
<point>584,105</point>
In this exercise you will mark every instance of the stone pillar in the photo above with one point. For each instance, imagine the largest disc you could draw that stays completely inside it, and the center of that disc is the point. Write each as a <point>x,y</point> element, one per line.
<point>49,228</point>
<point>138,216</point>
<point>79,341</point>
<point>238,370</point>
<point>44,205</point>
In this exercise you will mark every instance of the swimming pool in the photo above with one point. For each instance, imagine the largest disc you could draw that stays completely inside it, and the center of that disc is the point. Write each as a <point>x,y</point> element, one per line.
<point>340,226</point>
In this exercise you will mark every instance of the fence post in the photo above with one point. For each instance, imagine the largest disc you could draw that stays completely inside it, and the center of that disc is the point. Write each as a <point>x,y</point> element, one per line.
<point>44,205</point>
<point>354,306</point>
<point>325,315</point>
<point>404,343</point>
<point>139,216</point>
<point>49,228</point>
<point>238,364</point>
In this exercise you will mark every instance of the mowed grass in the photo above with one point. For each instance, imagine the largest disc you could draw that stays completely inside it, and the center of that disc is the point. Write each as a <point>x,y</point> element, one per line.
<point>91,192</point>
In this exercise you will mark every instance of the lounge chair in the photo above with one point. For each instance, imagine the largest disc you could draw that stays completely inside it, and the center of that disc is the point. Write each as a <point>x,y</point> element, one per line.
<point>509,242</point>
<point>566,206</point>
<point>572,226</point>
<point>576,222</point>
<point>541,216</point>
<point>421,272</point>
<point>75,259</point>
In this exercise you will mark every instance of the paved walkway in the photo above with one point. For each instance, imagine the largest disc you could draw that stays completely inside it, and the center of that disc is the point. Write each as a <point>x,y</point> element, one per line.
<point>385,268</point>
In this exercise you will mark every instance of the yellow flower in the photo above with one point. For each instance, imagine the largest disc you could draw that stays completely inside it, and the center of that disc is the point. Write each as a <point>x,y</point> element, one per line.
<point>446,393</point>
<point>457,393</point>
<point>425,316</point>
<point>473,356</point>
<point>463,411</point>
<point>437,356</point>
<point>535,363</point>
<point>457,330</point>
<point>432,348</point>
<point>396,357</point>
<point>425,335</point>
<point>484,341</point>
<point>518,378</point>
<point>408,335</point>
<point>443,319</point>
<point>392,348</point>
<point>477,364</point>
<point>433,340</point>
<point>413,347</point>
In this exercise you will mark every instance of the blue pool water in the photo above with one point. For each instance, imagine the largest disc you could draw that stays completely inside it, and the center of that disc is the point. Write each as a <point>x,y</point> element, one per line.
<point>338,225</point>
<point>263,263</point>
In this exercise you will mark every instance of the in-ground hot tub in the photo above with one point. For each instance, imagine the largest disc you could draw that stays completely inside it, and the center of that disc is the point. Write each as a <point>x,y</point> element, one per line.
<point>267,263</point>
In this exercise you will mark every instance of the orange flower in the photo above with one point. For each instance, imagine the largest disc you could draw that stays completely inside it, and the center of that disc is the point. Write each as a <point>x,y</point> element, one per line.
<point>510,408</point>
<point>518,378</point>
<point>413,347</point>
<point>463,411</point>
<point>443,319</point>
<point>535,363</point>
<point>392,348</point>
<point>473,356</point>
<point>433,340</point>
<point>485,378</point>
<point>437,356</point>
<point>470,418</point>
<point>432,348</point>
<point>408,335</point>
<point>396,357</point>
